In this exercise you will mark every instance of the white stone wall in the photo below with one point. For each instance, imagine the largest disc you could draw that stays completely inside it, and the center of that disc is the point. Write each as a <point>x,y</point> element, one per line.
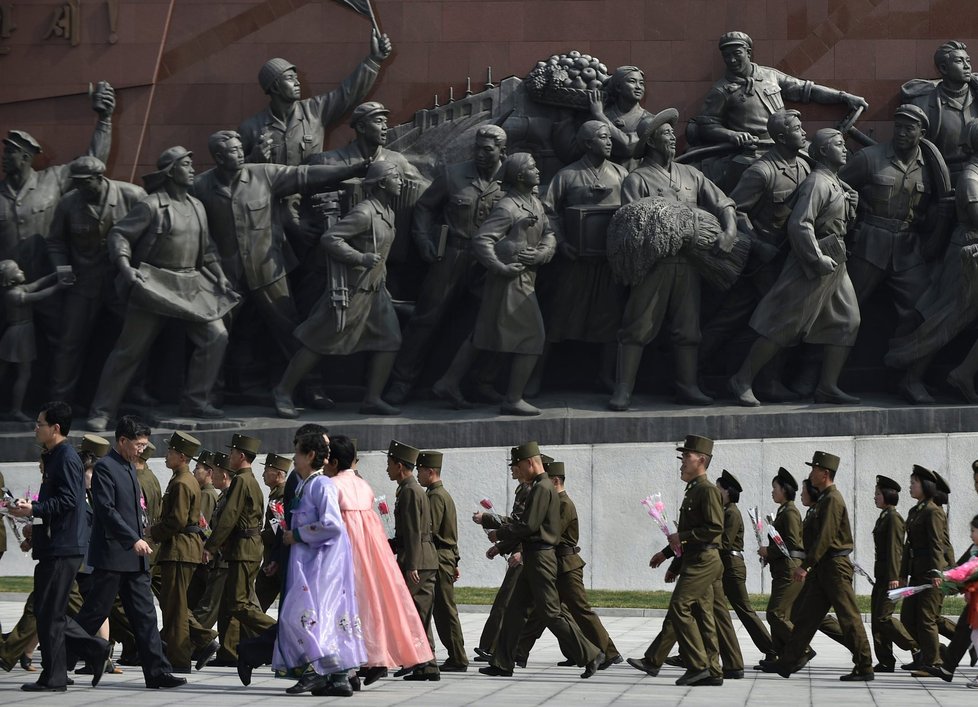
<point>608,481</point>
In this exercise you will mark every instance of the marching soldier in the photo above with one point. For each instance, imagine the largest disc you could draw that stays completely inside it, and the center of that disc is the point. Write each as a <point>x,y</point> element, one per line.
<point>237,535</point>
<point>204,475</point>
<point>888,538</point>
<point>827,570</point>
<point>180,549</point>
<point>268,583</point>
<point>444,534</point>
<point>415,551</point>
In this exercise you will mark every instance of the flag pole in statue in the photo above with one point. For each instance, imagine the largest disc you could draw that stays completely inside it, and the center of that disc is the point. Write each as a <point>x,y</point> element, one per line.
<point>363,7</point>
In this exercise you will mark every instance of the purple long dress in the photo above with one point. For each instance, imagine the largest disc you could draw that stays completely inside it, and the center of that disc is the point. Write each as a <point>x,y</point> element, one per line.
<point>319,622</point>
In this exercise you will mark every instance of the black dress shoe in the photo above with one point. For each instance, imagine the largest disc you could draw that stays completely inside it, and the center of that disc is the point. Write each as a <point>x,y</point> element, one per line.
<point>447,667</point>
<point>644,665</point>
<point>309,682</point>
<point>733,674</point>
<point>40,687</point>
<point>372,675</point>
<point>204,655</point>
<point>691,677</point>
<point>423,676</point>
<point>712,681</point>
<point>880,668</point>
<point>27,663</point>
<point>520,662</point>
<point>482,654</point>
<point>401,672</point>
<point>244,673</point>
<point>98,669</point>
<point>338,685</point>
<point>355,682</point>
<point>164,682</point>
<point>608,662</point>
<point>857,677</point>
<point>675,661</point>
<point>566,663</point>
<point>592,667</point>
<point>496,672</point>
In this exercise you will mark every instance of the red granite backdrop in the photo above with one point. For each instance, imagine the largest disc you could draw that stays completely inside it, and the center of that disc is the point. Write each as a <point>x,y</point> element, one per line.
<point>194,64</point>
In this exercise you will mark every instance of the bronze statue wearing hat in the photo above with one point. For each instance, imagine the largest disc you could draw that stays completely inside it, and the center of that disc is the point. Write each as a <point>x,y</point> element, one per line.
<point>901,224</point>
<point>671,288</point>
<point>291,129</point>
<point>736,108</point>
<point>171,268</point>
<point>356,313</point>
<point>77,246</point>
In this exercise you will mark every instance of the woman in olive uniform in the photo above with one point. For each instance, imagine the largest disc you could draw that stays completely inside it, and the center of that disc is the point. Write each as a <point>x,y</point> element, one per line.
<point>784,591</point>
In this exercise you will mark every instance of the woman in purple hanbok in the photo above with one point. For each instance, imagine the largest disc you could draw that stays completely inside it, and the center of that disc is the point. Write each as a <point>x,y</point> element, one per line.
<point>319,634</point>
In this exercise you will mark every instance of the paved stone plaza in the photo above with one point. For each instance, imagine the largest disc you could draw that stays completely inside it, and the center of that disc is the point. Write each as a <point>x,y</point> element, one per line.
<point>542,683</point>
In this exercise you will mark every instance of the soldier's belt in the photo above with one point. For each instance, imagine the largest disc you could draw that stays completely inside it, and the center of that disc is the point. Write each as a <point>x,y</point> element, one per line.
<point>890,224</point>
<point>734,553</point>
<point>537,547</point>
<point>192,530</point>
<point>565,550</point>
<point>700,547</point>
<point>246,533</point>
<point>797,554</point>
<point>839,553</point>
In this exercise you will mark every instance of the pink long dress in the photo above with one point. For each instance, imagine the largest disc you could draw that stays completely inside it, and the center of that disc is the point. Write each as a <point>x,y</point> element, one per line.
<point>392,630</point>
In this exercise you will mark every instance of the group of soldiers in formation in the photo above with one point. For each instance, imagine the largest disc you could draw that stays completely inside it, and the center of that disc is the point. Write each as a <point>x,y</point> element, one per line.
<point>356,599</point>
<point>825,231</point>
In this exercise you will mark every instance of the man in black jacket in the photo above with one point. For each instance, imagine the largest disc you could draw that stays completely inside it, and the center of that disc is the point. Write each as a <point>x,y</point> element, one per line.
<point>59,536</point>
<point>120,556</point>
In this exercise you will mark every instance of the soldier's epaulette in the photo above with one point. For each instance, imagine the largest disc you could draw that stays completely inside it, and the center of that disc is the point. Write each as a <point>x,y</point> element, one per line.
<point>915,88</point>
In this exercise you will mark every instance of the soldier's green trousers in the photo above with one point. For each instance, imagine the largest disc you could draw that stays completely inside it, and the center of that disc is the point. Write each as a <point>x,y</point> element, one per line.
<point>886,628</point>
<point>444,613</point>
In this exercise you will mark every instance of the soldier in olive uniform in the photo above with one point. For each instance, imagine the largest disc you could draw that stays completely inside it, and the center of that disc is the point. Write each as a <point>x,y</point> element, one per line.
<point>735,569</point>
<point>923,552</point>
<point>180,548</point>
<point>268,583</point>
<point>416,554</point>
<point>204,475</point>
<point>444,535</point>
<point>237,534</point>
<point>570,582</point>
<point>827,570</point>
<point>538,531</point>
<point>695,547</point>
<point>784,590</point>
<point>490,521</point>
<point>888,538</point>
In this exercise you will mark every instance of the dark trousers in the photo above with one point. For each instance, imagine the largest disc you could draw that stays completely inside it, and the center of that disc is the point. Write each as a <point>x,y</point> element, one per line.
<point>267,588</point>
<point>960,643</point>
<point>829,585</point>
<point>920,614</point>
<point>490,632</point>
<point>444,613</point>
<point>135,591</point>
<point>239,603</point>
<point>735,589</point>
<point>53,577</point>
<point>537,586</point>
<point>887,629</point>
<point>423,594</point>
<point>181,631</point>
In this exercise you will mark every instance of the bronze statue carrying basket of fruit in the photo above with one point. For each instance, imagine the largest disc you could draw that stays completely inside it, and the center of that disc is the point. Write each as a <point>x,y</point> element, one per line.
<point>564,80</point>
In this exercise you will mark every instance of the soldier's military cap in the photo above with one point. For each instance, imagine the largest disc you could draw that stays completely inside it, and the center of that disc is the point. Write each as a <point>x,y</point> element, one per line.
<point>695,443</point>
<point>786,479</point>
<point>184,443</point>
<point>885,482</point>
<point>526,451</point>
<point>278,462</point>
<point>730,482</point>
<point>22,140</point>
<point>913,112</point>
<point>554,468</point>
<point>824,460</point>
<point>244,443</point>
<point>403,453</point>
<point>365,110</point>
<point>99,446</point>
<point>924,474</point>
<point>86,166</point>
<point>941,482</point>
<point>430,459</point>
<point>731,38</point>
<point>222,461</point>
<point>271,70</point>
<point>147,453</point>
<point>546,459</point>
<point>206,458</point>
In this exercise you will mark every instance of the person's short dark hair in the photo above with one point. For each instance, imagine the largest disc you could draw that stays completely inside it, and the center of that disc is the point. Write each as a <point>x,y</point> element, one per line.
<point>928,487</point>
<point>342,450</point>
<point>974,522</point>
<point>310,428</point>
<point>248,455</point>
<point>58,412</point>
<point>732,493</point>
<point>811,490</point>
<point>777,122</point>
<point>789,491</point>
<point>131,427</point>
<point>943,53</point>
<point>313,443</point>
<point>88,459</point>
<point>891,497</point>
<point>940,498</point>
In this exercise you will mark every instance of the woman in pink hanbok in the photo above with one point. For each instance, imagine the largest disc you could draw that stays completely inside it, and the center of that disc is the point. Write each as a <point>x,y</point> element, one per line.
<point>392,631</point>
<point>319,634</point>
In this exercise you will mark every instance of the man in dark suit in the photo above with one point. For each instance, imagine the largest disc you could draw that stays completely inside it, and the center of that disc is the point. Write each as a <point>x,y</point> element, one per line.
<point>59,536</point>
<point>120,556</point>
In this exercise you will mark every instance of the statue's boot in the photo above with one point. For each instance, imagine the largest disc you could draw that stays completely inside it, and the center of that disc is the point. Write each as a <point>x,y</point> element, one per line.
<point>629,359</point>
<point>687,388</point>
<point>761,352</point>
<point>378,373</point>
<point>768,386</point>
<point>828,390</point>
<point>519,375</point>
<point>912,387</point>
<point>606,374</point>
<point>299,366</point>
<point>448,387</point>
<point>536,378</point>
